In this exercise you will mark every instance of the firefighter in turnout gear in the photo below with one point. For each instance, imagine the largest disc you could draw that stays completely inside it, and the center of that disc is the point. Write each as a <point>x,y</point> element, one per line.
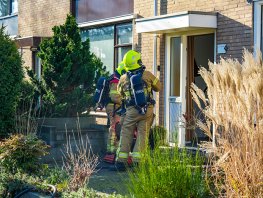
<point>114,119</point>
<point>137,87</point>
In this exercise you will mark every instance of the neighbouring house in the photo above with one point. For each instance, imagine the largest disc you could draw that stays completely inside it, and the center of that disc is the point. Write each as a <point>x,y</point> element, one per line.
<point>175,38</point>
<point>28,22</point>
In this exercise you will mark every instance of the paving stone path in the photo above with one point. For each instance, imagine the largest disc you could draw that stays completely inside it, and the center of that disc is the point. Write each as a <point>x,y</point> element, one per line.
<point>108,181</point>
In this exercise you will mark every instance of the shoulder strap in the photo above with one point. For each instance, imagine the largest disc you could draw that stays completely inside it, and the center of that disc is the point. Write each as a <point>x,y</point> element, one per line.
<point>110,78</point>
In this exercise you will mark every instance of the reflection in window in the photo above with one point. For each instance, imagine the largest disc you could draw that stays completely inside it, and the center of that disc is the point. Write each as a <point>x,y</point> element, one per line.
<point>8,7</point>
<point>108,45</point>
<point>4,8</point>
<point>121,52</point>
<point>123,41</point>
<point>124,34</point>
<point>101,44</point>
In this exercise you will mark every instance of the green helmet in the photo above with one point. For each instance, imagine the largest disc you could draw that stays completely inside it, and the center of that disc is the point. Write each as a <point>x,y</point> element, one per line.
<point>121,68</point>
<point>131,59</point>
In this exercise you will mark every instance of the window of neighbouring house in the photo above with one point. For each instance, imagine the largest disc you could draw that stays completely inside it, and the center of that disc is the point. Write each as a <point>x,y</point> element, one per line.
<point>101,44</point>
<point>124,41</point>
<point>109,43</point>
<point>8,7</point>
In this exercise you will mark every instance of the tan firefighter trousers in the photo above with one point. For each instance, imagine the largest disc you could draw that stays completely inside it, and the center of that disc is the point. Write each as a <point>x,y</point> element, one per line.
<point>112,142</point>
<point>143,123</point>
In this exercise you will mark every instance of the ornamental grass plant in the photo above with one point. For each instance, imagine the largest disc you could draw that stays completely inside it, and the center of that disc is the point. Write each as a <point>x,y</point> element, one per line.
<point>168,172</point>
<point>234,109</point>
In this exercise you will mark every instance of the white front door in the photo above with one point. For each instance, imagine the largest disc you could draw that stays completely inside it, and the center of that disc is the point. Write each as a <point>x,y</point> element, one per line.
<point>175,88</point>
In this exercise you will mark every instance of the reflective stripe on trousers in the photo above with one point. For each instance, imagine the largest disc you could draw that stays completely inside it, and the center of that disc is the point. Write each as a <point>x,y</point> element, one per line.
<point>123,155</point>
<point>136,155</point>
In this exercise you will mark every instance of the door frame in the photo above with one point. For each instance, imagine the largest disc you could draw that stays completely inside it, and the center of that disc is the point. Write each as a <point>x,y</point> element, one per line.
<point>181,132</point>
<point>184,79</point>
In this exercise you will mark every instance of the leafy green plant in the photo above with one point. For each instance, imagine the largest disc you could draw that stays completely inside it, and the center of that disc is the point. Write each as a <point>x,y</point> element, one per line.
<point>168,172</point>
<point>21,153</point>
<point>11,75</point>
<point>12,184</point>
<point>58,177</point>
<point>87,193</point>
<point>70,71</point>
<point>3,182</point>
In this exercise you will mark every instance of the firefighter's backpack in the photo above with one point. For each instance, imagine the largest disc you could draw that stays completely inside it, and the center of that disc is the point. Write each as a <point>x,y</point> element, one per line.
<point>101,96</point>
<point>137,88</point>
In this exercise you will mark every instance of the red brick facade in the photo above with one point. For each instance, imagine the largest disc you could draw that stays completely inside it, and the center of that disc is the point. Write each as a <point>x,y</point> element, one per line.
<point>234,28</point>
<point>36,18</point>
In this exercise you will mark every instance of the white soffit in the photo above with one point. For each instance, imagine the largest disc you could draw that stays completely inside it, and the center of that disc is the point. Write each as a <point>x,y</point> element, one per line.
<point>95,23</point>
<point>177,22</point>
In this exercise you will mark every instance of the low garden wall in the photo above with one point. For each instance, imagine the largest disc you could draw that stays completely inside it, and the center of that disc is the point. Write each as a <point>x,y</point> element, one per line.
<point>62,133</point>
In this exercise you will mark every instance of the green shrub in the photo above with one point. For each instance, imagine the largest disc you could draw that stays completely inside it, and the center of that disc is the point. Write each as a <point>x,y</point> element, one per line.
<point>70,71</point>
<point>21,153</point>
<point>11,75</point>
<point>87,193</point>
<point>12,184</point>
<point>168,172</point>
<point>58,177</point>
<point>3,182</point>
<point>27,111</point>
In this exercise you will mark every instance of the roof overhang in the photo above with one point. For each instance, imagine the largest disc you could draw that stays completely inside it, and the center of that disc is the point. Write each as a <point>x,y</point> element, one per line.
<point>102,22</point>
<point>32,41</point>
<point>183,21</point>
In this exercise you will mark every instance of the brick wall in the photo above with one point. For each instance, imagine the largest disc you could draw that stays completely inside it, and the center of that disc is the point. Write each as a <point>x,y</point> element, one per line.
<point>36,18</point>
<point>27,59</point>
<point>234,29</point>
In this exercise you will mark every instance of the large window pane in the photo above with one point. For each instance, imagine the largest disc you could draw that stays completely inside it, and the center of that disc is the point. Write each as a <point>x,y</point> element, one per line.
<point>102,44</point>
<point>175,66</point>
<point>4,8</point>
<point>124,33</point>
<point>109,43</point>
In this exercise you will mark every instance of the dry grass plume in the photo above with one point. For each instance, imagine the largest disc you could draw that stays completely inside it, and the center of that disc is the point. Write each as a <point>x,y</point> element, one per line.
<point>234,107</point>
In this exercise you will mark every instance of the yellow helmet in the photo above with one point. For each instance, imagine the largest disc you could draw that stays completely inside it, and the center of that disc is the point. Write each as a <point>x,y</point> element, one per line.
<point>121,68</point>
<point>131,59</point>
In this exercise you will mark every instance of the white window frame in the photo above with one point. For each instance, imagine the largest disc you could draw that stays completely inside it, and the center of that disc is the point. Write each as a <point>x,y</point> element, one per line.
<point>257,24</point>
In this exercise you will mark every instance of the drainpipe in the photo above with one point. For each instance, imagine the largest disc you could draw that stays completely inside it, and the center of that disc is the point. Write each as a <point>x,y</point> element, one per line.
<point>38,72</point>
<point>154,70</point>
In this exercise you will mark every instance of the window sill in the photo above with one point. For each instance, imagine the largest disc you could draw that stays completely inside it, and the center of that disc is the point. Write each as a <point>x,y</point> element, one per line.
<point>9,16</point>
<point>98,113</point>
